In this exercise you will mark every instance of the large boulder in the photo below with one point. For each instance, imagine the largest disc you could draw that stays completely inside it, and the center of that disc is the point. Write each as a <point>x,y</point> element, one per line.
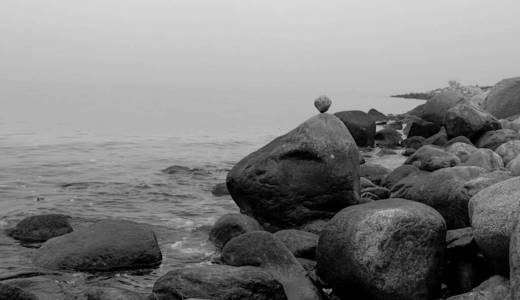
<point>377,116</point>
<point>361,126</point>
<point>509,150</point>
<point>431,158</point>
<point>422,128</point>
<point>495,288</point>
<point>504,98</point>
<point>493,139</point>
<point>493,213</point>
<point>263,249</point>
<point>218,282</point>
<point>436,109</point>
<point>468,120</point>
<point>310,173</point>
<point>40,228</point>
<point>373,172</point>
<point>443,190</point>
<point>438,139</point>
<point>104,246</point>
<point>230,226</point>
<point>475,185</point>
<point>462,150</point>
<point>485,158</point>
<point>388,249</point>
<point>398,174</point>
<point>302,244</point>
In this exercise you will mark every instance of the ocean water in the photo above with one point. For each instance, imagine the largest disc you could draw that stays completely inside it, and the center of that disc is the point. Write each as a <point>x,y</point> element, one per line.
<point>96,157</point>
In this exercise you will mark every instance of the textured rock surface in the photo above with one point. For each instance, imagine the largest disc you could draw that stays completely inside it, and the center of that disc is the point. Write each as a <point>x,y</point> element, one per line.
<point>309,173</point>
<point>493,139</point>
<point>263,249</point>
<point>218,282</point>
<point>468,120</point>
<point>422,128</point>
<point>436,109</point>
<point>504,98</point>
<point>495,288</point>
<point>509,150</point>
<point>361,126</point>
<point>485,158</point>
<point>322,103</point>
<point>388,249</point>
<point>430,158</point>
<point>110,293</point>
<point>40,228</point>
<point>230,226</point>
<point>398,174</point>
<point>301,243</point>
<point>389,138</point>
<point>462,150</point>
<point>373,172</point>
<point>493,212</point>
<point>103,246</point>
<point>514,166</point>
<point>8,292</point>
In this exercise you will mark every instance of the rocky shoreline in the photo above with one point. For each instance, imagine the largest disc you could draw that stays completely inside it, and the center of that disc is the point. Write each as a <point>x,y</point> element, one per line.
<point>318,221</point>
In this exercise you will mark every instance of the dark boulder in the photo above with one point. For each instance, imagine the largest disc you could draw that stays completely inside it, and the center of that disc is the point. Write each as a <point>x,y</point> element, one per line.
<point>8,292</point>
<point>398,174</point>
<point>40,228</point>
<point>263,249</point>
<point>389,138</point>
<point>443,190</point>
<point>377,116</point>
<point>438,139</point>
<point>230,226</point>
<point>436,109</point>
<point>495,288</point>
<point>458,139</point>
<point>218,282</point>
<point>414,142</point>
<point>430,158</point>
<point>493,139</point>
<point>466,119</point>
<point>485,158</point>
<point>504,98</point>
<point>373,172</point>
<point>302,244</point>
<point>309,173</point>
<point>375,193</point>
<point>103,246</point>
<point>422,128</point>
<point>361,126</point>
<point>220,190</point>
<point>388,249</point>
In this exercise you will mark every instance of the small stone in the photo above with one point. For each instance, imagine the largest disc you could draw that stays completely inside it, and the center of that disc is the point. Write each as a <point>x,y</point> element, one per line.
<point>322,103</point>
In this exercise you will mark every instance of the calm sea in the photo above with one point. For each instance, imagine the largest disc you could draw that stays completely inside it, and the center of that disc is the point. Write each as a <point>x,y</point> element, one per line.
<point>94,156</point>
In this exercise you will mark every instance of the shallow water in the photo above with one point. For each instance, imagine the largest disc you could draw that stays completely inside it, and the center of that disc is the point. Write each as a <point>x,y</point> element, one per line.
<point>89,172</point>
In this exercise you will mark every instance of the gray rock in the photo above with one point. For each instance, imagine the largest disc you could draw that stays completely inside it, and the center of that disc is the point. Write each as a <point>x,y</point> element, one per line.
<point>8,292</point>
<point>218,282</point>
<point>398,174</point>
<point>378,192</point>
<point>436,109</point>
<point>373,172</point>
<point>421,128</point>
<point>495,288</point>
<point>389,138</point>
<point>111,293</point>
<point>509,150</point>
<point>220,190</point>
<point>467,119</point>
<point>377,116</point>
<point>263,249</point>
<point>504,98</point>
<point>414,142</point>
<point>310,173</point>
<point>430,158</point>
<point>438,139</point>
<point>388,249</point>
<point>302,244</point>
<point>230,226</point>
<point>459,139</point>
<point>104,246</point>
<point>493,212</point>
<point>40,228</point>
<point>462,150</point>
<point>322,103</point>
<point>493,139</point>
<point>443,190</point>
<point>365,183</point>
<point>514,262</point>
<point>474,186</point>
<point>361,126</point>
<point>485,158</point>
<point>514,166</point>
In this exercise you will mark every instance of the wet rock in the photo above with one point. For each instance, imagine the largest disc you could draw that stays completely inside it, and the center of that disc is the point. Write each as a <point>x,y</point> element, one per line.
<point>462,150</point>
<point>495,288</point>
<point>264,250</point>
<point>302,244</point>
<point>438,139</point>
<point>485,158</point>
<point>377,116</point>
<point>40,228</point>
<point>493,139</point>
<point>309,173</point>
<point>103,246</point>
<point>504,98</point>
<point>422,128</point>
<point>322,103</point>
<point>110,293</point>
<point>230,226</point>
<point>430,158</point>
<point>220,190</point>
<point>414,142</point>
<point>8,292</point>
<point>493,212</point>
<point>360,125</point>
<point>388,138</point>
<point>388,249</point>
<point>467,119</point>
<point>398,174</point>
<point>443,190</point>
<point>373,172</point>
<point>509,150</point>
<point>218,282</point>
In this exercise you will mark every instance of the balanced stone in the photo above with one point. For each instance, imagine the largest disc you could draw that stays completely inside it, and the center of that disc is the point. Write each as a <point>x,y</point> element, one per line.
<point>322,103</point>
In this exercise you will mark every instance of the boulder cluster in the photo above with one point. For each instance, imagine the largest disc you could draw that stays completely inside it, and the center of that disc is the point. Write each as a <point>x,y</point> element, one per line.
<point>319,222</point>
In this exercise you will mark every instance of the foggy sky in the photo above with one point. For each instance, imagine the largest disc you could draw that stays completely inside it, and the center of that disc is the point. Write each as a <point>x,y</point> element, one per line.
<point>366,46</point>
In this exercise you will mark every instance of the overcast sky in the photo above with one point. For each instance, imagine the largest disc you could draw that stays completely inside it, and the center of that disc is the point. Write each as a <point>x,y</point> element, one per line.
<point>377,46</point>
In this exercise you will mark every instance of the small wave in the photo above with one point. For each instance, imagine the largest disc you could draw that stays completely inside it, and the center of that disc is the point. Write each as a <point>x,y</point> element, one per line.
<point>176,169</point>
